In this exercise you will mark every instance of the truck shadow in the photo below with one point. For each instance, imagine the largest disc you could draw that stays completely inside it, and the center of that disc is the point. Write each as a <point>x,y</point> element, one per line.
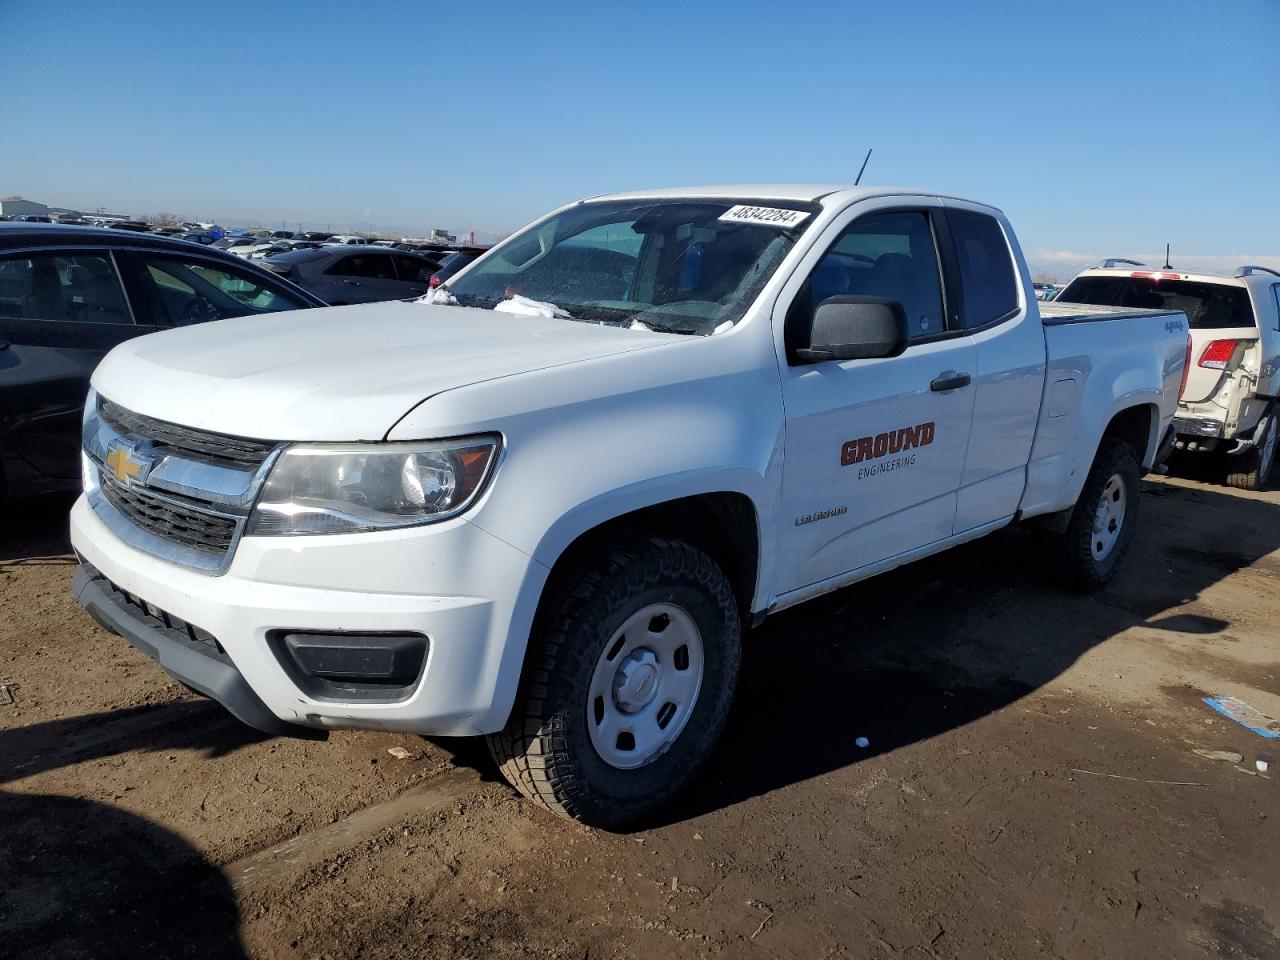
<point>200,725</point>
<point>940,643</point>
<point>84,879</point>
<point>79,878</point>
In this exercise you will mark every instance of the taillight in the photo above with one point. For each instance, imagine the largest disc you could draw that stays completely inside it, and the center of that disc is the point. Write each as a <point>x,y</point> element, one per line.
<point>1186,368</point>
<point>1217,355</point>
<point>435,281</point>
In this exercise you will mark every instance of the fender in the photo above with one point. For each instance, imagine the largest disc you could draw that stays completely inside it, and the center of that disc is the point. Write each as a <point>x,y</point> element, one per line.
<point>587,516</point>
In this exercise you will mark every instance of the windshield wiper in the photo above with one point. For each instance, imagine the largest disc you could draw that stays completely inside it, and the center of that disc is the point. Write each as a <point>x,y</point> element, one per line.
<point>662,327</point>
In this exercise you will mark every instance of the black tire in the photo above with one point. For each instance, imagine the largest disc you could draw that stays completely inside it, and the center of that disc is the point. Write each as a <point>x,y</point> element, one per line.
<point>1077,565</point>
<point>1254,469</point>
<point>546,751</point>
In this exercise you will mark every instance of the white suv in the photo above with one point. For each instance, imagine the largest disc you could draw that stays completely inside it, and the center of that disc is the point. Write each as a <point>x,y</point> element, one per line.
<point>1229,404</point>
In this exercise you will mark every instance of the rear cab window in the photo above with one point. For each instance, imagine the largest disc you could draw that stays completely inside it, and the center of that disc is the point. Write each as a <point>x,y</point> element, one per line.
<point>988,281</point>
<point>1208,306</point>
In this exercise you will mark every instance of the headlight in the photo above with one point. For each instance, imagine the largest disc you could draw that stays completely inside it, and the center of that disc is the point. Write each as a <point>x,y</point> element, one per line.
<point>350,488</point>
<point>88,472</point>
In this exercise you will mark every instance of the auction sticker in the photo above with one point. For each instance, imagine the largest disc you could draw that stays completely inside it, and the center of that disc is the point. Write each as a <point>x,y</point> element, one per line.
<point>769,216</point>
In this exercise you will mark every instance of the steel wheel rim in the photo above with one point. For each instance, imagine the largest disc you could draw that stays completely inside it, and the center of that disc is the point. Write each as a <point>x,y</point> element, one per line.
<point>645,686</point>
<point>1108,518</point>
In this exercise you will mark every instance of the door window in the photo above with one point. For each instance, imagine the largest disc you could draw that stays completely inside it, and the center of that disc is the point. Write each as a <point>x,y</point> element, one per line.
<point>891,255</point>
<point>413,270</point>
<point>195,291</point>
<point>371,266</point>
<point>986,268</point>
<point>83,287</point>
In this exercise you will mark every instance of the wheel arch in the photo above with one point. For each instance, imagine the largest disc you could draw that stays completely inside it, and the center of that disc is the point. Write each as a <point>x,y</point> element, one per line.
<point>724,524</point>
<point>1139,426</point>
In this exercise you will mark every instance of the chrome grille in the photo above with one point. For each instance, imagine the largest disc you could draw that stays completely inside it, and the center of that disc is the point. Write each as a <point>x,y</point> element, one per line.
<point>200,445</point>
<point>180,519</point>
<point>181,494</point>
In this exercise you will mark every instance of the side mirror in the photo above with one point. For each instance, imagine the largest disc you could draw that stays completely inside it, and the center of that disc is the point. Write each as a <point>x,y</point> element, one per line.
<point>855,328</point>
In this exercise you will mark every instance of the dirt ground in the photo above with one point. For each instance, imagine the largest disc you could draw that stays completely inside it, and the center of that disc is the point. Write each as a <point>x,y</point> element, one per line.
<point>1030,789</point>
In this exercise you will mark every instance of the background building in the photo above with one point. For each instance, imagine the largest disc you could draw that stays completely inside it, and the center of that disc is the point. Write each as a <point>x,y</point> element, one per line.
<point>18,207</point>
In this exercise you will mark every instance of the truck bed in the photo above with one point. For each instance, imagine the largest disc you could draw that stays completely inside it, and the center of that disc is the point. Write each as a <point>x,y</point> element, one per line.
<point>1090,369</point>
<point>1055,314</point>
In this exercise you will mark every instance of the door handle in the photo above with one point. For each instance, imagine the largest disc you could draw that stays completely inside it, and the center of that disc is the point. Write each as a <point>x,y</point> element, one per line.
<point>949,381</point>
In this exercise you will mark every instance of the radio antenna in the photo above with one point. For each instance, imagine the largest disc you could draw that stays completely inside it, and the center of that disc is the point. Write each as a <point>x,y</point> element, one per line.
<point>1166,258</point>
<point>863,169</point>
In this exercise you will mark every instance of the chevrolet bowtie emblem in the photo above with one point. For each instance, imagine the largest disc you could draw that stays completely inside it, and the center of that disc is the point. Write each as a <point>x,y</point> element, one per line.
<point>125,465</point>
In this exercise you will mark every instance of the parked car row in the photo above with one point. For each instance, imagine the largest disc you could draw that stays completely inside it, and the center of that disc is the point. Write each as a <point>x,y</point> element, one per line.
<point>70,294</point>
<point>341,274</point>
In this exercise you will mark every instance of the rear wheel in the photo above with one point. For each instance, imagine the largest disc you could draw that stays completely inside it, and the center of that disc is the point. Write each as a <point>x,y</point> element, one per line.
<point>1252,469</point>
<point>628,684</point>
<point>1089,551</point>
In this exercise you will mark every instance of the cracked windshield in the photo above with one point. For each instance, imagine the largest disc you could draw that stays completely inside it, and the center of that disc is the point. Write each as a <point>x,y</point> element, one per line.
<point>673,266</point>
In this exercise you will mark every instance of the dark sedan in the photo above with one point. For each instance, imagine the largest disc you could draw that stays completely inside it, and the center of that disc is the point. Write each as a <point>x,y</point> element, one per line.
<point>70,294</point>
<point>365,274</point>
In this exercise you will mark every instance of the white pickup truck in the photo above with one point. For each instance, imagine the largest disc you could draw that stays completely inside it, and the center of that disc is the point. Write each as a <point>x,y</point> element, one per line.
<point>544,508</point>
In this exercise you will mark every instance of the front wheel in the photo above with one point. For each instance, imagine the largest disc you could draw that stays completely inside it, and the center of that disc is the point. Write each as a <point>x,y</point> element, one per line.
<point>1252,469</point>
<point>1088,552</point>
<point>627,686</point>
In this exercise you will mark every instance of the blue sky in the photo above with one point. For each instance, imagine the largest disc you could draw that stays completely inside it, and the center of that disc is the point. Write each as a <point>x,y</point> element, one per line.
<point>1101,128</point>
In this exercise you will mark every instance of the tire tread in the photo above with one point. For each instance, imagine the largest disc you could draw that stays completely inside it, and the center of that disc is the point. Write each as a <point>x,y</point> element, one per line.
<point>531,751</point>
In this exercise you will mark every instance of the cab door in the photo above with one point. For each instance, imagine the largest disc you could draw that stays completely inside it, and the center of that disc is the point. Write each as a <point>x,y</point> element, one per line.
<point>874,449</point>
<point>60,312</point>
<point>992,307</point>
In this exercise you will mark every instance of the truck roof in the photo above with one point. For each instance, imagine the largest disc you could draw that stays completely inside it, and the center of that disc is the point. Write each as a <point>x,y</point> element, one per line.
<point>829,194</point>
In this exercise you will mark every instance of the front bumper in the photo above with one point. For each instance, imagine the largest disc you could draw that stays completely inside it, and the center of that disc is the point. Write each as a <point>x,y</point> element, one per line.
<point>195,661</point>
<point>469,593</point>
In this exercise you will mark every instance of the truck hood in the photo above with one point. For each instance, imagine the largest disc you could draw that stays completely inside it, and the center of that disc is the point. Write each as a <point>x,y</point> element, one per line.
<point>339,373</point>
